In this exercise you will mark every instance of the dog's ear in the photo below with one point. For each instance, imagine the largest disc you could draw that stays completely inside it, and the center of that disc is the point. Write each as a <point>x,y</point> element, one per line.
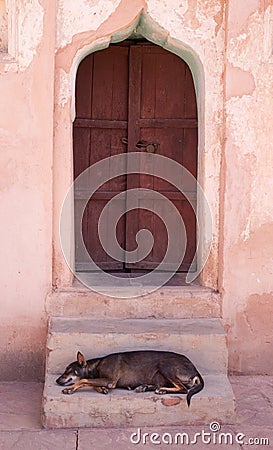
<point>81,359</point>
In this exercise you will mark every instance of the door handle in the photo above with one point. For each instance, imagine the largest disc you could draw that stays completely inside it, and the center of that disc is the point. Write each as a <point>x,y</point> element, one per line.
<point>150,147</point>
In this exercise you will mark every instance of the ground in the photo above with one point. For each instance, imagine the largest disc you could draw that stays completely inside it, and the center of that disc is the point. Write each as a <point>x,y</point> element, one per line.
<point>20,426</point>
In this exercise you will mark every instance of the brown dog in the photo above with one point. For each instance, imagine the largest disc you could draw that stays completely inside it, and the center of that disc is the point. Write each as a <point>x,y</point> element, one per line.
<point>147,370</point>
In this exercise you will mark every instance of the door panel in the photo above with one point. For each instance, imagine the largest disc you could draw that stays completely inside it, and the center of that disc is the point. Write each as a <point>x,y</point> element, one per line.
<point>160,84</point>
<point>162,93</point>
<point>143,93</point>
<point>100,124</point>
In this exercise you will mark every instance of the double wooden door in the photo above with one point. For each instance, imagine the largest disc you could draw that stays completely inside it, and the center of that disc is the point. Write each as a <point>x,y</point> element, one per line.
<point>134,96</point>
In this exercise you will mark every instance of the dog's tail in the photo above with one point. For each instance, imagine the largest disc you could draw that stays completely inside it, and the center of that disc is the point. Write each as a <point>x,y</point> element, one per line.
<point>198,384</point>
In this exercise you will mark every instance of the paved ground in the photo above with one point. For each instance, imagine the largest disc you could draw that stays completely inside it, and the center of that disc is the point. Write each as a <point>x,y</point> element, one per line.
<point>20,426</point>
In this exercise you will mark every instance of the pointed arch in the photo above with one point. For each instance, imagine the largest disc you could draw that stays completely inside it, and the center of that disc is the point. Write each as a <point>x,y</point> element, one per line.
<point>144,26</point>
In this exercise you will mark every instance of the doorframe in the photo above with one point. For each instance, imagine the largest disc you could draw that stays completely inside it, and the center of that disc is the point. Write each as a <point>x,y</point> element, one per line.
<point>67,62</point>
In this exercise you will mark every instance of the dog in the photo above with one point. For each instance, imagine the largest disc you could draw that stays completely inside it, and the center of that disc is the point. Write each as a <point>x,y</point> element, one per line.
<point>145,370</point>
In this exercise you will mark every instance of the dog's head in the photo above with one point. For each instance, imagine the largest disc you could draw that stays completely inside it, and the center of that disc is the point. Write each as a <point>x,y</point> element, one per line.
<point>74,372</point>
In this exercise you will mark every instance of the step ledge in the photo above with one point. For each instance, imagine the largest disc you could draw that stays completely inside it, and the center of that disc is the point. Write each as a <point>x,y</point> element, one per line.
<point>215,386</point>
<point>180,290</point>
<point>135,326</point>
<point>167,302</point>
<point>127,408</point>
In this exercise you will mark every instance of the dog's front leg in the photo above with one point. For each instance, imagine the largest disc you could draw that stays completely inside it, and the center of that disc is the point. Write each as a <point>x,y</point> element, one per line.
<point>100,384</point>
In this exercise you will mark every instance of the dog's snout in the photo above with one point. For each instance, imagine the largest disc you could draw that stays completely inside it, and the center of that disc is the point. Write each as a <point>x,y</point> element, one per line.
<point>59,381</point>
<point>64,381</point>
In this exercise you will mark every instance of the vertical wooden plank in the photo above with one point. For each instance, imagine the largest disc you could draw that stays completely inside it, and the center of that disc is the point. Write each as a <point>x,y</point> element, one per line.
<point>190,96</point>
<point>120,83</point>
<point>160,231</point>
<point>170,88</point>
<point>135,67</point>
<point>135,75</point>
<point>148,84</point>
<point>81,154</point>
<point>90,228</point>
<point>190,150</point>
<point>84,87</point>
<point>102,85</point>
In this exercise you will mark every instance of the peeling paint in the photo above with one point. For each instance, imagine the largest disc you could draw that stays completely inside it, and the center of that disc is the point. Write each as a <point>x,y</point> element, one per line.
<point>30,24</point>
<point>78,17</point>
<point>3,27</point>
<point>198,18</point>
<point>246,232</point>
<point>239,82</point>
<point>64,91</point>
<point>239,13</point>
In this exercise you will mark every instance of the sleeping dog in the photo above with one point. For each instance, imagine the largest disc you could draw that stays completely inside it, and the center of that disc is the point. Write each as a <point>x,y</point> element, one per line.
<point>144,370</point>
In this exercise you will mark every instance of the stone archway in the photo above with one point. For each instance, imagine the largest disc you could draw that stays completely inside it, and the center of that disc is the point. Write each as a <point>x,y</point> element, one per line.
<point>65,91</point>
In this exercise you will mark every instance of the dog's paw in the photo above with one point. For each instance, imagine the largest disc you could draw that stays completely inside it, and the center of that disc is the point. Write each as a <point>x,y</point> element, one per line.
<point>68,391</point>
<point>160,391</point>
<point>104,390</point>
<point>141,388</point>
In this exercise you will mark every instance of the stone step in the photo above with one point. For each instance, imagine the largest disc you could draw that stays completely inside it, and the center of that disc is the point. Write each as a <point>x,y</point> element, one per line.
<point>202,340</point>
<point>87,408</point>
<point>170,302</point>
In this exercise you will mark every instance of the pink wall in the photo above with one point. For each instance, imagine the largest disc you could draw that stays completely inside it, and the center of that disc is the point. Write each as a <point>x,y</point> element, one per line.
<point>248,210</point>
<point>234,45</point>
<point>26,137</point>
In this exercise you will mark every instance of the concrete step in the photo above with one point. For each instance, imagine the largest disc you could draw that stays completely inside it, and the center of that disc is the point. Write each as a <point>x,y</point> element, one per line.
<point>87,408</point>
<point>202,340</point>
<point>170,302</point>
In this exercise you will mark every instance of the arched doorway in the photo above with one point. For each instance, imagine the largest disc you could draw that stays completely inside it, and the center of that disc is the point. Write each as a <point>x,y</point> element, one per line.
<point>134,96</point>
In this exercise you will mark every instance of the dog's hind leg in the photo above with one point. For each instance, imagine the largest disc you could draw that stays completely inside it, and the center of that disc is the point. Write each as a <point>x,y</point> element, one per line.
<point>176,389</point>
<point>99,384</point>
<point>174,381</point>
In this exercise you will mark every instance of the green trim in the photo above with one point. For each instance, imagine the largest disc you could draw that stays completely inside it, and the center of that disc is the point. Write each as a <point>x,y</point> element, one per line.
<point>145,27</point>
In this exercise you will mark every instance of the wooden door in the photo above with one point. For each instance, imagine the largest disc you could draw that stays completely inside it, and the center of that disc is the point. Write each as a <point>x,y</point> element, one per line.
<point>100,124</point>
<point>143,93</point>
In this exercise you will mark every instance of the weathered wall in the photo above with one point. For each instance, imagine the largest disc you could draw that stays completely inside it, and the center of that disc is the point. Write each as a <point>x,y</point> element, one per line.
<point>233,44</point>
<point>248,209</point>
<point>26,143</point>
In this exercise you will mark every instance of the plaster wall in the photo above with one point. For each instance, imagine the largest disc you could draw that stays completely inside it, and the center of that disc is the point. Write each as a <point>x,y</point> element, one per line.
<point>248,209</point>
<point>26,144</point>
<point>229,49</point>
